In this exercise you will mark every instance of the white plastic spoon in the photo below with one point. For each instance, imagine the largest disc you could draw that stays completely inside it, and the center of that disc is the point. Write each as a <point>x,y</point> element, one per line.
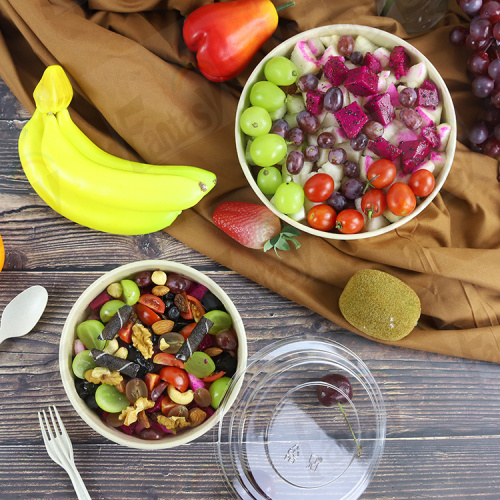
<point>22,313</point>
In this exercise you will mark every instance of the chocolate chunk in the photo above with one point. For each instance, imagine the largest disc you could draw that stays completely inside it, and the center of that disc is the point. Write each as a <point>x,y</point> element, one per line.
<point>124,366</point>
<point>194,339</point>
<point>115,323</point>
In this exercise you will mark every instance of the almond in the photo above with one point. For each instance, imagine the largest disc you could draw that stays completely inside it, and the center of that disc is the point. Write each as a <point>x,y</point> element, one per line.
<point>160,290</point>
<point>163,326</point>
<point>213,351</point>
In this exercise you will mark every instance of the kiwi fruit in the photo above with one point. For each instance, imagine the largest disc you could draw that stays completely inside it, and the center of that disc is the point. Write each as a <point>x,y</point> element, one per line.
<point>380,305</point>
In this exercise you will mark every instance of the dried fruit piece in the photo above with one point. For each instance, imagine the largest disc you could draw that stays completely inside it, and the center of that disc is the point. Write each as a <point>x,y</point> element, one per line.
<point>115,363</point>
<point>194,339</point>
<point>181,302</point>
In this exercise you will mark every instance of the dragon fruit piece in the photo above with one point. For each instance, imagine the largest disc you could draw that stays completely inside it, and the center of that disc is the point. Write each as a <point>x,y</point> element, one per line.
<point>384,149</point>
<point>101,299</point>
<point>197,290</point>
<point>361,81</point>
<point>431,135</point>
<point>351,119</point>
<point>314,101</point>
<point>413,154</point>
<point>335,70</point>
<point>381,109</point>
<point>372,63</point>
<point>427,95</point>
<point>206,342</point>
<point>399,61</point>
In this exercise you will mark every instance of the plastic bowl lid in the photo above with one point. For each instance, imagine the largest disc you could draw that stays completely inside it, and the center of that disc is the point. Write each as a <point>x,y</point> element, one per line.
<point>279,441</point>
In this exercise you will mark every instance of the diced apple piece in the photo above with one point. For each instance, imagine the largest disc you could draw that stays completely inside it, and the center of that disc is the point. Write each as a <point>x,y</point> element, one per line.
<point>304,59</point>
<point>364,165</point>
<point>393,92</point>
<point>391,130</point>
<point>382,84</point>
<point>329,52</point>
<point>390,216</point>
<point>279,113</point>
<point>339,134</point>
<point>352,155</point>
<point>404,134</point>
<point>427,165</point>
<point>323,157</point>
<point>439,159</point>
<point>376,223</point>
<point>383,55</point>
<point>324,84</point>
<point>305,173</point>
<point>312,139</point>
<point>424,113</point>
<point>363,45</point>
<point>308,204</point>
<point>435,113</point>
<point>330,42</point>
<point>444,131</point>
<point>291,119</point>
<point>329,120</point>
<point>357,204</point>
<point>415,76</point>
<point>316,46</point>
<point>299,216</point>
<point>336,172</point>
<point>295,103</point>
<point>350,65</point>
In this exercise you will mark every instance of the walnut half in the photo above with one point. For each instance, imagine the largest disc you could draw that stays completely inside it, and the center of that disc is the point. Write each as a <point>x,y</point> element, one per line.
<point>141,338</point>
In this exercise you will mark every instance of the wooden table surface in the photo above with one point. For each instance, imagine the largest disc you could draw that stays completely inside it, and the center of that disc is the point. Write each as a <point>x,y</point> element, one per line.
<point>443,413</point>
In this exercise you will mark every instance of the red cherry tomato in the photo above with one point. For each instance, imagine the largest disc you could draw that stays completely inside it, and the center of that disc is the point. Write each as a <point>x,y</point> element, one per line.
<point>176,377</point>
<point>322,217</point>
<point>373,203</point>
<point>153,302</point>
<point>195,311</point>
<point>186,331</point>
<point>350,221</point>
<point>319,187</point>
<point>213,377</point>
<point>146,315</point>
<point>400,199</point>
<point>125,332</point>
<point>165,358</point>
<point>151,380</point>
<point>422,182</point>
<point>381,173</point>
<point>167,404</point>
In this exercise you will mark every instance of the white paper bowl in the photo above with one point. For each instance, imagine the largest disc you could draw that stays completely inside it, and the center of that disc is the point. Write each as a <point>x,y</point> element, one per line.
<point>80,311</point>
<point>381,39</point>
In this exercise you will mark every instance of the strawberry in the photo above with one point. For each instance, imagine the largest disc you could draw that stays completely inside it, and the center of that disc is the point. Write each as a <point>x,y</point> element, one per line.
<point>254,226</point>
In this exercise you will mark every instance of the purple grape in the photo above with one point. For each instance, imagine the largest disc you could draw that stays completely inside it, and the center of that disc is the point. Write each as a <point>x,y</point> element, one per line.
<point>351,169</point>
<point>353,188</point>
<point>359,142</point>
<point>494,70</point>
<point>280,127</point>
<point>458,35</point>
<point>373,129</point>
<point>480,29</point>
<point>410,118</point>
<point>311,153</point>
<point>356,57</point>
<point>474,45</point>
<point>333,100</point>
<point>308,122</point>
<point>478,63</point>
<point>295,162</point>
<point>471,7</point>
<point>345,45</point>
<point>337,156</point>
<point>326,140</point>
<point>337,201</point>
<point>482,86</point>
<point>495,98</point>
<point>408,97</point>
<point>307,82</point>
<point>295,136</point>
<point>478,133</point>
<point>496,132</point>
<point>496,31</point>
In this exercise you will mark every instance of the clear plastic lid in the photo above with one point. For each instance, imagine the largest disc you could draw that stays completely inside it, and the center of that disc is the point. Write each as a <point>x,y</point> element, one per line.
<point>278,441</point>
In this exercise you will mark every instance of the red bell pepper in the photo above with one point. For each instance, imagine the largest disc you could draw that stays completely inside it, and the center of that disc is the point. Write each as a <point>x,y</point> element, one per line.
<point>227,35</point>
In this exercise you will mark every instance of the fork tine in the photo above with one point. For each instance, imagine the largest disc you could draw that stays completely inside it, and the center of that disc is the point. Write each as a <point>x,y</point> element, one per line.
<point>66,442</point>
<point>49,430</point>
<point>46,441</point>
<point>42,427</point>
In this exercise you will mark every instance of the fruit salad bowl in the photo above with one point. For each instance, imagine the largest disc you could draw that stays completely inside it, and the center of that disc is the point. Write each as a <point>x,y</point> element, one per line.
<point>105,403</point>
<point>362,112</point>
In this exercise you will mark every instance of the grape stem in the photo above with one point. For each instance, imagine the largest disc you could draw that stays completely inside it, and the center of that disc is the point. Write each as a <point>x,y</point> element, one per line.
<point>284,6</point>
<point>350,428</point>
<point>387,7</point>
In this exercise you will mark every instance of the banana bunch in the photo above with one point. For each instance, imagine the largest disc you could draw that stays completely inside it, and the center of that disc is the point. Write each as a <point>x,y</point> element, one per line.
<point>92,187</point>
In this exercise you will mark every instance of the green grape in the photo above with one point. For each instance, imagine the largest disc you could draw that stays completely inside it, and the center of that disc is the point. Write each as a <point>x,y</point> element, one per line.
<point>268,180</point>
<point>88,331</point>
<point>200,364</point>
<point>218,390</point>
<point>109,308</point>
<point>82,362</point>
<point>131,292</point>
<point>255,121</point>
<point>289,197</point>
<point>267,150</point>
<point>221,320</point>
<point>281,71</point>
<point>110,399</point>
<point>267,95</point>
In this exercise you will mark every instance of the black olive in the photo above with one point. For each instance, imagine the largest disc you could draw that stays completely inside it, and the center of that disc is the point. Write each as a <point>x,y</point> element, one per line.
<point>146,365</point>
<point>225,362</point>
<point>91,402</point>
<point>181,323</point>
<point>211,302</point>
<point>85,388</point>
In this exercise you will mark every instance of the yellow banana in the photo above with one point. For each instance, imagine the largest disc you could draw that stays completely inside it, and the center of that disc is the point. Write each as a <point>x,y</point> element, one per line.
<point>70,203</point>
<point>89,149</point>
<point>111,187</point>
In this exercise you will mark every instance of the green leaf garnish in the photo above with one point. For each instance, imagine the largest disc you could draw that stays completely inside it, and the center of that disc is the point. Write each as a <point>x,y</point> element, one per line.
<point>280,242</point>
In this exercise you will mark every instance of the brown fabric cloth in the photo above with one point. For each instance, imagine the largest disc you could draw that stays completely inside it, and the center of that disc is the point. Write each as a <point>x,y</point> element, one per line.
<point>138,94</point>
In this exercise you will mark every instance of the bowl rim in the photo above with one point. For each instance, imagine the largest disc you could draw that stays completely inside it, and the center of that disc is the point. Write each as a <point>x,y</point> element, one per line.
<point>386,40</point>
<point>78,312</point>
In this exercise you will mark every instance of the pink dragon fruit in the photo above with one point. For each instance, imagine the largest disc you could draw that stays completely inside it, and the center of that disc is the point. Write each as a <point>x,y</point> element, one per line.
<point>335,70</point>
<point>399,61</point>
<point>431,135</point>
<point>372,63</point>
<point>384,149</point>
<point>381,109</point>
<point>361,81</point>
<point>413,154</point>
<point>314,101</point>
<point>427,95</point>
<point>351,119</point>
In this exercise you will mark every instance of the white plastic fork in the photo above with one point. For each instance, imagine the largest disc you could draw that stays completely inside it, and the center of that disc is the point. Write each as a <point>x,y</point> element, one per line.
<point>60,449</point>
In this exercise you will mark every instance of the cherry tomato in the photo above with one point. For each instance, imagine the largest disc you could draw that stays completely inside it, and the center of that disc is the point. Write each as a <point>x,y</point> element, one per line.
<point>422,182</point>
<point>165,358</point>
<point>151,380</point>
<point>400,199</point>
<point>186,331</point>
<point>146,315</point>
<point>195,309</point>
<point>350,221</point>
<point>213,377</point>
<point>125,332</point>
<point>319,187</point>
<point>153,302</point>
<point>373,203</point>
<point>167,404</point>
<point>176,377</point>
<point>381,173</point>
<point>322,217</point>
